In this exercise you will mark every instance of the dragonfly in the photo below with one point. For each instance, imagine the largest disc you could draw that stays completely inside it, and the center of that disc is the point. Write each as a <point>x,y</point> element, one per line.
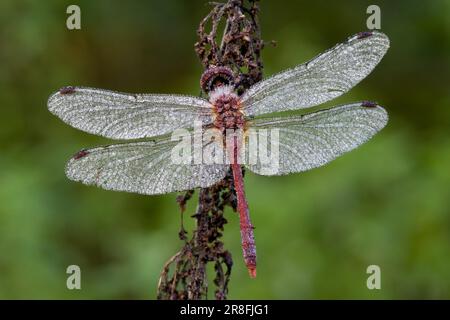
<point>305,141</point>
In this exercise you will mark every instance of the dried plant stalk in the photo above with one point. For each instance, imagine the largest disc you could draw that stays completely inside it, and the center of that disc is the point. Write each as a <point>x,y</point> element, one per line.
<point>239,48</point>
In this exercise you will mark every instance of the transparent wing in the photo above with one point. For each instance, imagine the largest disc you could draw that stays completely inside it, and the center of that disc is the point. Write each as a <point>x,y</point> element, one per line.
<point>323,78</point>
<point>126,116</point>
<point>312,140</point>
<point>141,167</point>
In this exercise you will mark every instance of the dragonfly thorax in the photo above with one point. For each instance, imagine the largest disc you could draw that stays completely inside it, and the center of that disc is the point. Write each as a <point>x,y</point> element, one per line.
<point>226,109</point>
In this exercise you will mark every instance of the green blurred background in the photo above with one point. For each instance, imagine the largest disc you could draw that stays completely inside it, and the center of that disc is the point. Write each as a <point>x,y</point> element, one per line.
<point>386,203</point>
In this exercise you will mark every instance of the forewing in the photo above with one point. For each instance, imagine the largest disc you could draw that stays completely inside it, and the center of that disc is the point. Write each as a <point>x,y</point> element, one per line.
<point>141,167</point>
<point>312,140</point>
<point>119,115</point>
<point>323,78</point>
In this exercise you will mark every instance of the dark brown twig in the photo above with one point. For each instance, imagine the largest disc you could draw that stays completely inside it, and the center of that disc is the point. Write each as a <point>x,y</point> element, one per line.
<point>239,49</point>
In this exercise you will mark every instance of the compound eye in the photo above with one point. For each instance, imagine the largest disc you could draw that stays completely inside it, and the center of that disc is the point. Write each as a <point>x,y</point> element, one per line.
<point>216,76</point>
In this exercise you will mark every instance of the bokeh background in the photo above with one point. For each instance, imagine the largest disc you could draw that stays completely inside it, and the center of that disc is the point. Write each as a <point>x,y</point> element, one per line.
<point>386,203</point>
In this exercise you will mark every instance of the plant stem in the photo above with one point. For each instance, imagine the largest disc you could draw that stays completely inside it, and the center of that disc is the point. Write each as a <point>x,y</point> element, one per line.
<point>239,48</point>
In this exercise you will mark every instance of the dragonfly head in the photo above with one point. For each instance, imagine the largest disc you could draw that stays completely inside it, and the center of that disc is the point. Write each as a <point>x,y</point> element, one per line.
<point>215,77</point>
